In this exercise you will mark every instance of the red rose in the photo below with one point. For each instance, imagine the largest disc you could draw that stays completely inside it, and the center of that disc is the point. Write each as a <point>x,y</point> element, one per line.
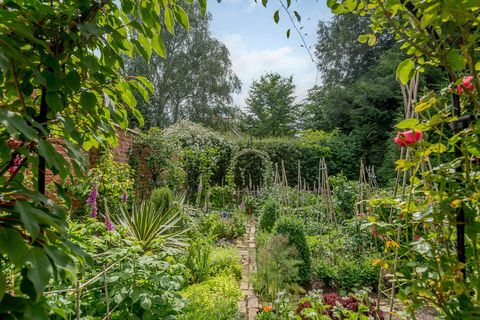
<point>467,84</point>
<point>408,138</point>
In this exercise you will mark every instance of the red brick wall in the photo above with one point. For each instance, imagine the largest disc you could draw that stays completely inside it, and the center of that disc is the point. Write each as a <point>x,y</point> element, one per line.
<point>120,152</point>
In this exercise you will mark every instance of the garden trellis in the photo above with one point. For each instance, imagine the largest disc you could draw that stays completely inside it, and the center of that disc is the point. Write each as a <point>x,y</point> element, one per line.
<point>80,286</point>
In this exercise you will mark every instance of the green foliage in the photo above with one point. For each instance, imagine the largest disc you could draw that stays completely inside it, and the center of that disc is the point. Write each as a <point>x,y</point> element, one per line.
<point>157,162</point>
<point>152,226</point>
<point>206,154</point>
<point>114,180</point>
<point>162,198</point>
<point>278,265</point>
<point>250,168</point>
<point>343,258</point>
<point>292,228</point>
<point>139,283</point>
<point>270,106</point>
<point>146,286</point>
<point>225,260</point>
<point>215,298</point>
<point>268,215</point>
<point>61,82</point>
<point>197,257</point>
<point>441,202</point>
<point>181,89</point>
<point>345,196</point>
<point>359,94</point>
<point>344,59</point>
<point>309,148</point>
<point>221,197</point>
<point>347,272</point>
<point>225,228</point>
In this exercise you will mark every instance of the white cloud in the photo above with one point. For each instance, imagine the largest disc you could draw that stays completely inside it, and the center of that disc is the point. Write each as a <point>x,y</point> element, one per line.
<point>250,64</point>
<point>252,5</point>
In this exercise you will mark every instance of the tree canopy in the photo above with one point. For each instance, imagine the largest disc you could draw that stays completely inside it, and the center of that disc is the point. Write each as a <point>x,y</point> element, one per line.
<point>271,110</point>
<point>193,81</point>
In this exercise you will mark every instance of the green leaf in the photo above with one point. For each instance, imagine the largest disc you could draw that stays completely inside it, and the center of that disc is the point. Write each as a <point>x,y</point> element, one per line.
<point>88,100</point>
<point>203,6</point>
<point>182,17</point>
<point>138,115</point>
<point>145,301</point>
<point>159,46</point>
<point>13,245</point>
<point>3,286</point>
<point>145,42</point>
<point>73,81</point>
<point>363,38</point>
<point>54,101</point>
<point>40,270</point>
<point>436,148</point>
<point>169,22</point>
<point>61,260</point>
<point>405,71</point>
<point>456,60</point>
<point>424,105</point>
<point>288,33</point>
<point>297,15</point>
<point>32,218</point>
<point>372,40</point>
<point>264,3</point>
<point>276,16</point>
<point>407,124</point>
<point>53,81</point>
<point>15,123</point>
<point>53,158</point>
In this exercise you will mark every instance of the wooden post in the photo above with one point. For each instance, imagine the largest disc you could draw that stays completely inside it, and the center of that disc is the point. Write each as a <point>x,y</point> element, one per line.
<point>77,296</point>
<point>107,302</point>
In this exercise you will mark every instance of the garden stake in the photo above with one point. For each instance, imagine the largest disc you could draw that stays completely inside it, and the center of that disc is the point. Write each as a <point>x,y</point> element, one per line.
<point>409,102</point>
<point>107,302</point>
<point>299,182</point>
<point>77,291</point>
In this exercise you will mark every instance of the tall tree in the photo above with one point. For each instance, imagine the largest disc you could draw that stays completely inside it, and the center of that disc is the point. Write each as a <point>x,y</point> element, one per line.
<point>271,108</point>
<point>359,94</point>
<point>194,82</point>
<point>342,58</point>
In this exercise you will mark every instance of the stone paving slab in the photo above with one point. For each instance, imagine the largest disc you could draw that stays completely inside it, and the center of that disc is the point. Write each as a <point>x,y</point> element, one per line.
<point>248,304</point>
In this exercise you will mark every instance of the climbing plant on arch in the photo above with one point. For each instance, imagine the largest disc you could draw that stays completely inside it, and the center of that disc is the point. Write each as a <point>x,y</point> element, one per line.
<point>250,167</point>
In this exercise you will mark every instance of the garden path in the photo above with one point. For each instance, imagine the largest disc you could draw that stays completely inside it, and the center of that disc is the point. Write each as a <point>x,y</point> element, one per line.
<point>248,304</point>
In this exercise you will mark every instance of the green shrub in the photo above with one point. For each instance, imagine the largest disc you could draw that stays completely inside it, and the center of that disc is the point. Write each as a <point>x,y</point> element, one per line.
<point>326,272</point>
<point>268,215</point>
<point>162,197</point>
<point>292,228</point>
<point>277,266</point>
<point>153,227</point>
<point>157,161</point>
<point>197,257</point>
<point>225,260</point>
<point>215,298</point>
<point>220,197</point>
<point>348,272</point>
<point>228,228</point>
<point>114,181</point>
<point>345,196</point>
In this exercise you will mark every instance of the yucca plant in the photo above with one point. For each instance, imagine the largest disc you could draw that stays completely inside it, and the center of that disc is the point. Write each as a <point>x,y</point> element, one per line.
<point>148,224</point>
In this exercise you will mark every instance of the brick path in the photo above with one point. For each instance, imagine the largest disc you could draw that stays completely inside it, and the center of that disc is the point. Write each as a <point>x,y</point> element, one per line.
<point>248,305</point>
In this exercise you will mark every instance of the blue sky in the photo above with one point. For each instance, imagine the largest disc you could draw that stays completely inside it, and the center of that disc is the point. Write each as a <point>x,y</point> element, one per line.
<point>258,45</point>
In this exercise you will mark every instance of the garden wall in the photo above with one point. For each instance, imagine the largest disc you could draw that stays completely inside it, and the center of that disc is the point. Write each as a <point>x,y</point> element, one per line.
<point>121,151</point>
